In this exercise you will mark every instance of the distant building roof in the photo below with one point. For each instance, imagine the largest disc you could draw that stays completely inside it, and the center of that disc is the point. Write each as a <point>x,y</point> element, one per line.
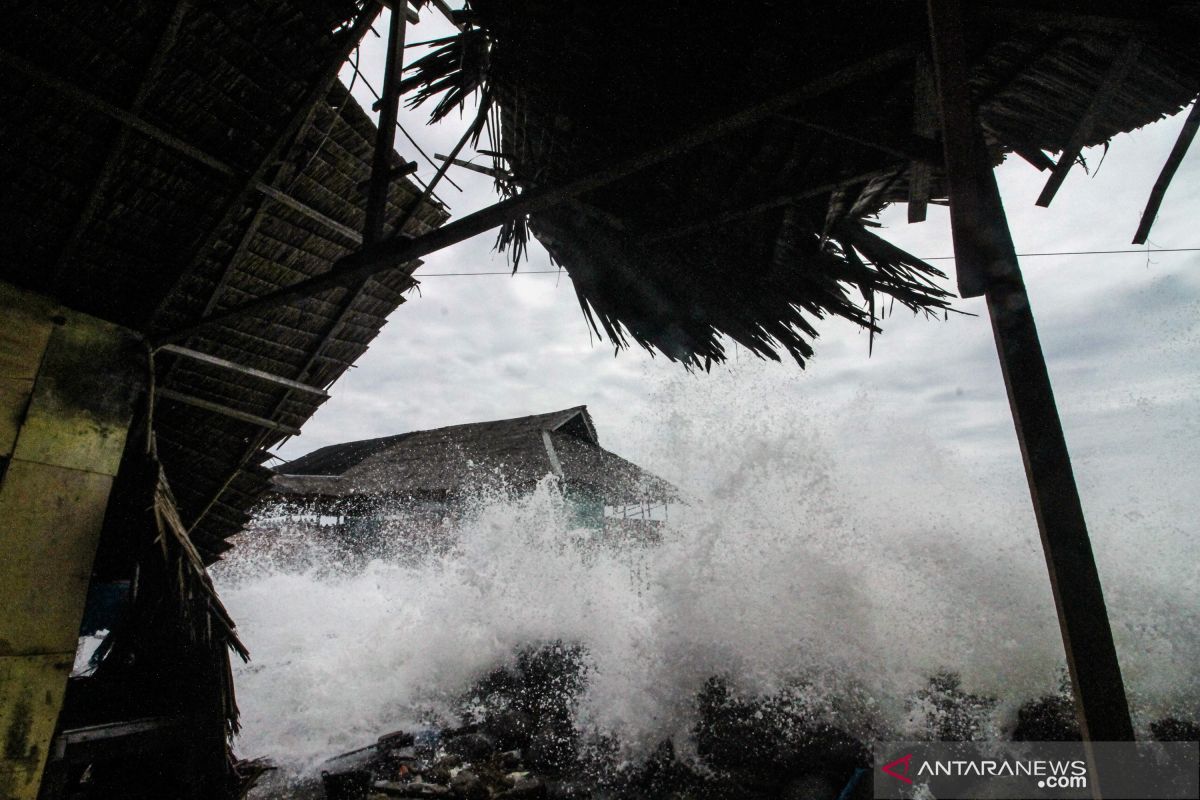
<point>445,462</point>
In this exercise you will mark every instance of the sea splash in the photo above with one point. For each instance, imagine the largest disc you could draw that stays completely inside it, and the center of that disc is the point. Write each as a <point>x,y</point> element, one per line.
<point>791,564</point>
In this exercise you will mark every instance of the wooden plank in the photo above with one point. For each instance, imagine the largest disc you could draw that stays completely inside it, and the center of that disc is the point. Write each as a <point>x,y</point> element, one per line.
<point>1186,134</point>
<point>32,688</point>
<point>286,199</point>
<point>397,251</point>
<point>83,396</point>
<point>482,170</point>
<point>920,175</point>
<point>217,408</point>
<point>980,237</point>
<point>53,496</point>
<point>270,377</point>
<point>1083,130</point>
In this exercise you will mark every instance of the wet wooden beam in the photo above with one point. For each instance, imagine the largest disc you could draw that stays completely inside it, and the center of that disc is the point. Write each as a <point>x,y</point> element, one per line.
<point>1083,130</point>
<point>1186,135</point>
<point>233,413</point>
<point>920,175</point>
<point>269,377</point>
<point>982,239</point>
<point>397,251</point>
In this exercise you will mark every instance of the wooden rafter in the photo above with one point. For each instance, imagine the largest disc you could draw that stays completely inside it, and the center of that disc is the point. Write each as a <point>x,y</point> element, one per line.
<point>394,252</point>
<point>920,148</point>
<point>130,120</point>
<point>111,159</point>
<point>925,123</point>
<point>291,132</point>
<point>224,363</point>
<point>759,207</point>
<point>1186,135</point>
<point>217,408</point>
<point>1083,130</point>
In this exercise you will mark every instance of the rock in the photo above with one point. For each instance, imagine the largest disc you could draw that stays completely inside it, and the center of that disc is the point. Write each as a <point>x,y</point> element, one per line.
<point>470,746</point>
<point>509,760</point>
<point>349,785</point>
<point>511,728</point>
<point>1172,729</point>
<point>553,747</point>
<point>469,786</point>
<point>413,789</point>
<point>525,788</point>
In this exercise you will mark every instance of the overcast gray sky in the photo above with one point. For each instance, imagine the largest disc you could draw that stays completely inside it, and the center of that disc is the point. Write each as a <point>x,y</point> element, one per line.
<point>1119,331</point>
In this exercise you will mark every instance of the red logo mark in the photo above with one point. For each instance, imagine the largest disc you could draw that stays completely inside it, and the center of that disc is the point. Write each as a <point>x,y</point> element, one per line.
<point>904,763</point>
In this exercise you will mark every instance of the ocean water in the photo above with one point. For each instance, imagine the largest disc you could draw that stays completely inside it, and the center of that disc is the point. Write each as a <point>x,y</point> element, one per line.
<point>804,554</point>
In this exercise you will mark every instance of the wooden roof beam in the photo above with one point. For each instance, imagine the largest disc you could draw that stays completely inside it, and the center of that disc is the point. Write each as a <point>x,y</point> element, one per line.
<point>925,123</point>
<point>401,249</point>
<point>1168,172</point>
<point>270,377</point>
<point>1083,130</point>
<point>778,201</point>
<point>130,119</point>
<point>217,408</point>
<point>288,135</point>
<point>109,163</point>
<point>923,149</point>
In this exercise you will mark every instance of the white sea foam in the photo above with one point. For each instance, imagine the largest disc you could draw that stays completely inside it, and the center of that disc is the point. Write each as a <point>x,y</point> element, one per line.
<point>793,559</point>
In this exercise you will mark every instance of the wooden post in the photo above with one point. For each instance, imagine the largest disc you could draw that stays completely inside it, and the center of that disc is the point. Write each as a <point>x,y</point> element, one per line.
<point>67,385</point>
<point>385,133</point>
<point>987,264</point>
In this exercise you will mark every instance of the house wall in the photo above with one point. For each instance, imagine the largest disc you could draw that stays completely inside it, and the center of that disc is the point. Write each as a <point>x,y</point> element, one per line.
<point>67,386</point>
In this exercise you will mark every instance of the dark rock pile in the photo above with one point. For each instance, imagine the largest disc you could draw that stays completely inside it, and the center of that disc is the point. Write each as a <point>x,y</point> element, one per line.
<point>519,741</point>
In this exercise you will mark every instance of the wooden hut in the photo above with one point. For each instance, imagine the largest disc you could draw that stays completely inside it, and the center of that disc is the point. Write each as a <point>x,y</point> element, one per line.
<point>162,161</point>
<point>410,485</point>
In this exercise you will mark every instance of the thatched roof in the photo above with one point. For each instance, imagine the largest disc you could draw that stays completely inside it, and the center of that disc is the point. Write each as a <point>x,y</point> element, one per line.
<point>759,232</point>
<point>162,161</point>
<point>450,462</point>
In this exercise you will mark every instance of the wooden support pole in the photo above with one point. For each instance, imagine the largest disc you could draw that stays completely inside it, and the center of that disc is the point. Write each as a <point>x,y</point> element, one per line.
<point>984,250</point>
<point>67,386</point>
<point>1159,191</point>
<point>385,133</point>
